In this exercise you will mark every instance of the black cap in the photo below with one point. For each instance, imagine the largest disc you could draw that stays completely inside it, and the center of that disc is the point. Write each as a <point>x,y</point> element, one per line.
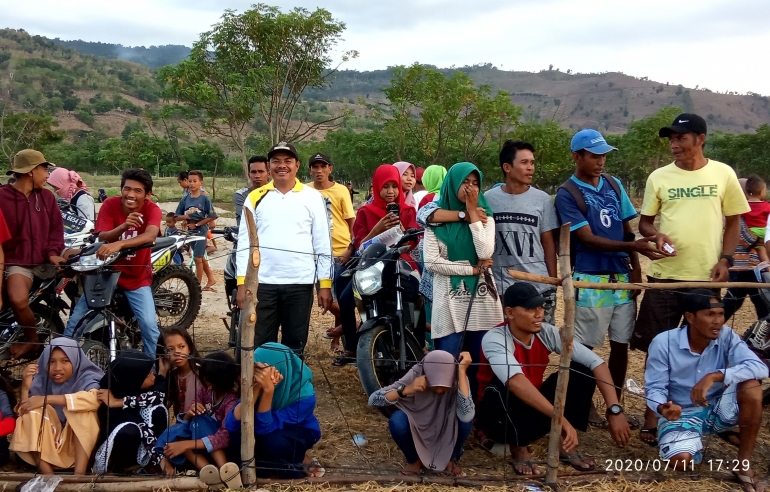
<point>700,299</point>
<point>524,295</point>
<point>319,157</point>
<point>685,123</point>
<point>283,147</point>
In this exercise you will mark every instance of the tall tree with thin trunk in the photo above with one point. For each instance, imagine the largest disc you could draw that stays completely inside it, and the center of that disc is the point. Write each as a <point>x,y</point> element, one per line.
<point>257,65</point>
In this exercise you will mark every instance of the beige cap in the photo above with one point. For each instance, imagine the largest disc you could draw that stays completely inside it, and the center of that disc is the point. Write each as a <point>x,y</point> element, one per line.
<point>26,160</point>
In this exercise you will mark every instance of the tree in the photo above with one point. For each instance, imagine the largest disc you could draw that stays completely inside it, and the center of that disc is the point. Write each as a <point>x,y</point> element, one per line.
<point>553,161</point>
<point>257,63</point>
<point>445,117</point>
<point>20,131</point>
<point>641,150</point>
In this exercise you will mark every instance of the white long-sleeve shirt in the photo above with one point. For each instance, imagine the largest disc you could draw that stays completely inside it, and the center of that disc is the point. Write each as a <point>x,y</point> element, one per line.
<point>294,237</point>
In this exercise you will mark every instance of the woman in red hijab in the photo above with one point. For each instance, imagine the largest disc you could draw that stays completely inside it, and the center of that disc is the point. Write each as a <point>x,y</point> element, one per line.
<point>372,220</point>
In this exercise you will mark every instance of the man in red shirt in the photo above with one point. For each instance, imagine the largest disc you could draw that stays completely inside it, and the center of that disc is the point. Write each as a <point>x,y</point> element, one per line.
<point>517,402</point>
<point>128,221</point>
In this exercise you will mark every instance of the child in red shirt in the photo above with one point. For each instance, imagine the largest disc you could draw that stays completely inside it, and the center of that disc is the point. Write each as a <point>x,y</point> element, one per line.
<point>756,219</point>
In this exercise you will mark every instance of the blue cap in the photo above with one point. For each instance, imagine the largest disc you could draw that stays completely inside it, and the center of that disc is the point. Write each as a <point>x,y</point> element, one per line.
<point>592,141</point>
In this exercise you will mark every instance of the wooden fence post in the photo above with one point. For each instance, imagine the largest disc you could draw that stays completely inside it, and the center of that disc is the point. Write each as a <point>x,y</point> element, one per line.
<point>567,336</point>
<point>247,322</point>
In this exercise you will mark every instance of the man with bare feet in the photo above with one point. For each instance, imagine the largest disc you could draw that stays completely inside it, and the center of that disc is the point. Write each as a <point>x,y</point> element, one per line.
<point>517,404</point>
<point>37,239</point>
<point>703,379</point>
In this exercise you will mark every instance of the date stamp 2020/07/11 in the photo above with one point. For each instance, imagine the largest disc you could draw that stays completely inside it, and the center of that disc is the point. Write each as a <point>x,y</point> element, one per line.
<point>656,465</point>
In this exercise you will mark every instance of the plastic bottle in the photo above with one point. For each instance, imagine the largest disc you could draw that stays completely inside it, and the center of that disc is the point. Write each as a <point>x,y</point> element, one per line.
<point>388,238</point>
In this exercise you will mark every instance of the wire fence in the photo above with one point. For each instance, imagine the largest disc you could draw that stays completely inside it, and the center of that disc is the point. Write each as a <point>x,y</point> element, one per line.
<point>320,362</point>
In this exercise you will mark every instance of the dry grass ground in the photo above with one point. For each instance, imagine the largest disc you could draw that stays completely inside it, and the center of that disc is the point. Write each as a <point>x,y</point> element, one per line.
<point>343,412</point>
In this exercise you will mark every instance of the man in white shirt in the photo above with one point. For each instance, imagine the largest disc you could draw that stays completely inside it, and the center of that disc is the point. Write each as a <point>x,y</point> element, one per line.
<point>295,250</point>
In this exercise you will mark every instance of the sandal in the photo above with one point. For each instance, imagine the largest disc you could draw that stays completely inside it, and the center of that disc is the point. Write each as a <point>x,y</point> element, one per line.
<point>749,481</point>
<point>599,424</point>
<point>231,476</point>
<point>653,431</point>
<point>531,464</point>
<point>209,475</point>
<point>344,359</point>
<point>569,458</point>
<point>731,437</point>
<point>321,471</point>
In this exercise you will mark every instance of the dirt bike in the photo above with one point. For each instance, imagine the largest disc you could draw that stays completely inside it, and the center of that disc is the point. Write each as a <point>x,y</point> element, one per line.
<point>176,289</point>
<point>386,290</point>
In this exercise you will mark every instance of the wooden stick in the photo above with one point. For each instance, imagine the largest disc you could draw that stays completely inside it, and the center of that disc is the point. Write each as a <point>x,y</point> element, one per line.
<point>579,284</point>
<point>248,321</point>
<point>181,483</point>
<point>567,335</point>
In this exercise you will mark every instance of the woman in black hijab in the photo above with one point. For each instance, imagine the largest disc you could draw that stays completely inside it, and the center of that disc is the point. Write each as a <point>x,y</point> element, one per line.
<point>132,414</point>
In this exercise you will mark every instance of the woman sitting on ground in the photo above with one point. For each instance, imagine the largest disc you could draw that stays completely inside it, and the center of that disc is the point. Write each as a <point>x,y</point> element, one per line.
<point>285,425</point>
<point>69,186</point>
<point>62,388</point>
<point>132,414</point>
<point>434,413</point>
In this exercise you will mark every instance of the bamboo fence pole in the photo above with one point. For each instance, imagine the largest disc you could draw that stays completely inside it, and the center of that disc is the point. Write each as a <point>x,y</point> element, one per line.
<point>567,333</point>
<point>578,284</point>
<point>247,321</point>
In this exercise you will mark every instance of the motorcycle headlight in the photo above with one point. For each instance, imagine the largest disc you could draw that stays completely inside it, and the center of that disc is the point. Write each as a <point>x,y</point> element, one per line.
<point>87,263</point>
<point>369,280</point>
<point>68,242</point>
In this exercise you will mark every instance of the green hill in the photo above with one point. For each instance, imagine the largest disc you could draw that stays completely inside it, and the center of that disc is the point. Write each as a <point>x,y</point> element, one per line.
<point>86,86</point>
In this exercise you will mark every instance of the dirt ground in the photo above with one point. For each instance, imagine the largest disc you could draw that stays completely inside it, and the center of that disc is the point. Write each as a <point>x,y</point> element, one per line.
<point>343,412</point>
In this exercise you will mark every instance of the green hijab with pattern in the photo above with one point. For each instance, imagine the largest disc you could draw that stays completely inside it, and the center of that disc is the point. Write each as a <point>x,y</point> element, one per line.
<point>457,235</point>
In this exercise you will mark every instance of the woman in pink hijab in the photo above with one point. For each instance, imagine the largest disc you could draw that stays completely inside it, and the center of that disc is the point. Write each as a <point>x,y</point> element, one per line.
<point>69,186</point>
<point>408,180</point>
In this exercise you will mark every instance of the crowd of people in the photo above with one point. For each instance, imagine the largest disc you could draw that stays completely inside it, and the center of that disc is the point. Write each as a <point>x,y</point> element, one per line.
<point>488,335</point>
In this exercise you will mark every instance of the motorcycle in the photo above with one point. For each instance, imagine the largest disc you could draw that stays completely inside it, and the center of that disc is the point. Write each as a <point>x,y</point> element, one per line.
<point>109,324</point>
<point>386,289</point>
<point>231,290</point>
<point>757,337</point>
<point>176,289</point>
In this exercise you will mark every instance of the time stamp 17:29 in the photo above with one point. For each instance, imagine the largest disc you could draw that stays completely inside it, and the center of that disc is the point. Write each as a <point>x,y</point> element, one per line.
<point>658,465</point>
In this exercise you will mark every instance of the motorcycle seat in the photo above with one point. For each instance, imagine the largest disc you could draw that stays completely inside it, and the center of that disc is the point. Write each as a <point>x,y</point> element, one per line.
<point>163,242</point>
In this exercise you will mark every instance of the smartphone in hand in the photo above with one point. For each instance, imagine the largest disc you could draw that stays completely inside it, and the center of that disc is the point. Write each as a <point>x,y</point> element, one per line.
<point>393,208</point>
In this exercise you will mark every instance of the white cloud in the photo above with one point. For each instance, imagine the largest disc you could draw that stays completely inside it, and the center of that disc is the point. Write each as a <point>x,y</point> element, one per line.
<point>711,43</point>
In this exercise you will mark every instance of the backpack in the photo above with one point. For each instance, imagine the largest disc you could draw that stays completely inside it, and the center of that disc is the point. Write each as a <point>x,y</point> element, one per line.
<point>580,200</point>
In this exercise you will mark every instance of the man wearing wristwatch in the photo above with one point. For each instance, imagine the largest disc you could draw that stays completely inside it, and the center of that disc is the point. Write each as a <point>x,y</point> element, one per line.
<point>339,207</point>
<point>516,403</point>
<point>699,201</point>
<point>606,251</point>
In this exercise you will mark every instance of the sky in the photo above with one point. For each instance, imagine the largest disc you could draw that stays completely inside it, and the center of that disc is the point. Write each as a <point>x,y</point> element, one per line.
<point>720,45</point>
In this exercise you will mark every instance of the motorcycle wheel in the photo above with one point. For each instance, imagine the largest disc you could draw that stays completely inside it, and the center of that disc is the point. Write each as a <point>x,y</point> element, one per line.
<point>97,352</point>
<point>177,294</point>
<point>377,355</point>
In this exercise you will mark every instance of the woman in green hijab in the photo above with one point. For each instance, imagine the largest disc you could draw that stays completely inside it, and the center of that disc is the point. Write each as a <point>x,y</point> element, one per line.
<point>459,255</point>
<point>432,179</point>
<point>285,426</point>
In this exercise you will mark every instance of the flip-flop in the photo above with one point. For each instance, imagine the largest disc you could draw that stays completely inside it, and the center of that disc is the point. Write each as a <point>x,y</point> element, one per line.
<point>209,475</point>
<point>599,424</point>
<point>315,464</point>
<point>728,434</point>
<point>567,459</point>
<point>653,431</point>
<point>231,476</point>
<point>747,481</point>
<point>531,464</point>
<point>209,289</point>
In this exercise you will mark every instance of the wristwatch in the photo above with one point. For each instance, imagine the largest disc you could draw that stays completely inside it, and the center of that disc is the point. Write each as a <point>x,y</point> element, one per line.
<point>400,390</point>
<point>462,215</point>
<point>614,409</point>
<point>729,258</point>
